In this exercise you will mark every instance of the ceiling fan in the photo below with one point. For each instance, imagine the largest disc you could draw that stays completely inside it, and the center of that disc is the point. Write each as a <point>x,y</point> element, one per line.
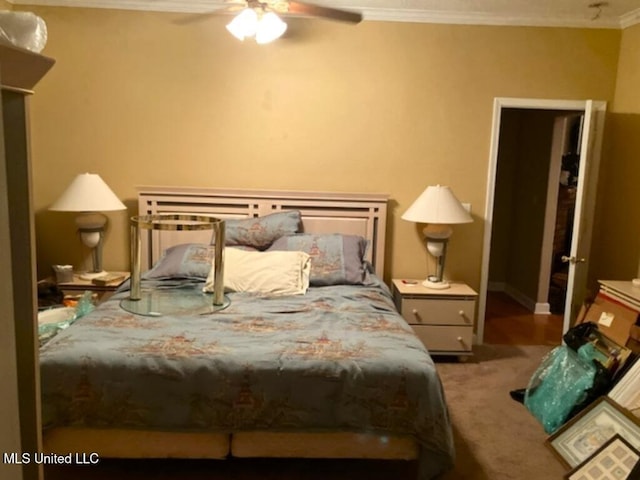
<point>259,19</point>
<point>314,10</point>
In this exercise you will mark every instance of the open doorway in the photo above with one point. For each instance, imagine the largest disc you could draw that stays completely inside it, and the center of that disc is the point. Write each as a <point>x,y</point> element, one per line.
<point>533,188</point>
<point>534,203</point>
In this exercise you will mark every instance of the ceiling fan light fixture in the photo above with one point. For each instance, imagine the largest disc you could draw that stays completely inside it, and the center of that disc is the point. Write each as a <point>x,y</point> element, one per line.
<point>270,27</point>
<point>243,25</point>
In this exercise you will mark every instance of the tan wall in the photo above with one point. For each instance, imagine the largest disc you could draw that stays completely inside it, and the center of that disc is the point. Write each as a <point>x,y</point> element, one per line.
<point>617,236</point>
<point>172,99</point>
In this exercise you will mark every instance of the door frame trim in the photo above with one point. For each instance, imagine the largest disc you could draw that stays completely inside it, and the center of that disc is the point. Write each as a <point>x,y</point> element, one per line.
<point>498,104</point>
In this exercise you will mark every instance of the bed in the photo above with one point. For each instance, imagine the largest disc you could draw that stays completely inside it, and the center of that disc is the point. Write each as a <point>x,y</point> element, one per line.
<point>333,372</point>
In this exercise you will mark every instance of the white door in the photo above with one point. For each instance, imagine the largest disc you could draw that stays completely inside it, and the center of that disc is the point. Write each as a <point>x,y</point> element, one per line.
<point>591,144</point>
<point>578,259</point>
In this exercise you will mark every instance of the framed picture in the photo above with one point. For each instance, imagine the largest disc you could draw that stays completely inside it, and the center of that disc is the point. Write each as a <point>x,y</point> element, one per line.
<point>626,392</point>
<point>614,460</point>
<point>585,433</point>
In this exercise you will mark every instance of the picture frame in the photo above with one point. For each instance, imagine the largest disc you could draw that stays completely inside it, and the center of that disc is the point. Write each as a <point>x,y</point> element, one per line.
<point>626,392</point>
<point>616,459</point>
<point>615,356</point>
<point>585,433</point>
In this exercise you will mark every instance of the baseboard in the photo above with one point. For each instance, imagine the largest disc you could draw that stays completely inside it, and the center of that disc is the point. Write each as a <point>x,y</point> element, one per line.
<point>521,298</point>
<point>542,308</point>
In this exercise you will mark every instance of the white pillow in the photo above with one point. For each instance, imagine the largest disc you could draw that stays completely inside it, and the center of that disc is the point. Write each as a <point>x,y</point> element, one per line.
<point>268,273</point>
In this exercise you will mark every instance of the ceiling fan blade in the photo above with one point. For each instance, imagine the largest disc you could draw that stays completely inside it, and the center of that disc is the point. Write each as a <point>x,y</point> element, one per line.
<point>313,10</point>
<point>201,16</point>
<point>194,17</point>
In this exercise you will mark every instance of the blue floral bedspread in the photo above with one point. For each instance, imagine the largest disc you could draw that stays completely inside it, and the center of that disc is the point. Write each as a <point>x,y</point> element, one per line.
<point>337,358</point>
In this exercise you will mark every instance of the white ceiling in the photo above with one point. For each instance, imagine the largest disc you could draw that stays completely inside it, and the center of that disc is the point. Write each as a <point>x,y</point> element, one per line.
<point>569,13</point>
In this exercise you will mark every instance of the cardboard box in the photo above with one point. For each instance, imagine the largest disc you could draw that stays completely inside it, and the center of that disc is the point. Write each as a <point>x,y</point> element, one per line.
<point>613,318</point>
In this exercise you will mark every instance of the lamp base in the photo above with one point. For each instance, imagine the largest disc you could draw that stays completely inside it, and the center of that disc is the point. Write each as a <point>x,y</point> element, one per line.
<point>442,285</point>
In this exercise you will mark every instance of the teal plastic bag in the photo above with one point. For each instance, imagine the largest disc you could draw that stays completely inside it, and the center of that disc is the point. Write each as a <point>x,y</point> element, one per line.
<point>52,321</point>
<point>560,382</point>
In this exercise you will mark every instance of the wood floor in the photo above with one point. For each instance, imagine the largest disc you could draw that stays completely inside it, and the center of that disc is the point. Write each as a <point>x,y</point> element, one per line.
<point>509,323</point>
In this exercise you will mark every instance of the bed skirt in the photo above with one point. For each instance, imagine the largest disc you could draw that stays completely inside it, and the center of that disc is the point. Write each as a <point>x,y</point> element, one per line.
<point>120,443</point>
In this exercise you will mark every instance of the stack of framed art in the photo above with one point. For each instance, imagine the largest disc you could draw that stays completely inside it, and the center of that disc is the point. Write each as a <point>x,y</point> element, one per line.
<point>626,392</point>
<point>603,440</point>
<point>616,459</point>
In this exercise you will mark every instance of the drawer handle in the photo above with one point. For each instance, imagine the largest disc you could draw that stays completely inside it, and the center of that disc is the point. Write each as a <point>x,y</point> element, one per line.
<point>460,339</point>
<point>414,311</point>
<point>461,313</point>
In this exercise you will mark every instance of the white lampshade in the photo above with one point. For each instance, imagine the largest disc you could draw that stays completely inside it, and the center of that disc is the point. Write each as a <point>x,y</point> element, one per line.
<point>88,193</point>
<point>437,205</point>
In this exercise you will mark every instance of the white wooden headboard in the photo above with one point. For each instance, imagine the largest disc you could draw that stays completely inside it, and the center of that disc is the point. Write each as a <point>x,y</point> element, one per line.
<point>322,212</point>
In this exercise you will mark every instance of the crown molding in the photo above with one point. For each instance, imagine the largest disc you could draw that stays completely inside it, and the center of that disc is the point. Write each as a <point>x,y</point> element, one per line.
<point>369,14</point>
<point>630,19</point>
<point>476,18</point>
<point>188,6</point>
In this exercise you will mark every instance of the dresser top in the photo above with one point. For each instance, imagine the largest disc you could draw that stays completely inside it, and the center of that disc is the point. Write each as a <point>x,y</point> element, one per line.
<point>623,289</point>
<point>456,289</point>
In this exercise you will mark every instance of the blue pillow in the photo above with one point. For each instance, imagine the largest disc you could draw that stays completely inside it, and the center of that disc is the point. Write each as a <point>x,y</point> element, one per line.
<point>193,260</point>
<point>261,232</point>
<point>187,260</point>
<point>336,259</point>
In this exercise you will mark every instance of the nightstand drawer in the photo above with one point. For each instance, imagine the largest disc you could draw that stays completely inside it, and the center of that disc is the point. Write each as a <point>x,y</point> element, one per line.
<point>445,339</point>
<point>438,311</point>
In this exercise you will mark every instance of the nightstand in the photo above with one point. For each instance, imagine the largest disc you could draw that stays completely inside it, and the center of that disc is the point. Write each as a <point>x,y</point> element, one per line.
<point>442,319</point>
<point>79,285</point>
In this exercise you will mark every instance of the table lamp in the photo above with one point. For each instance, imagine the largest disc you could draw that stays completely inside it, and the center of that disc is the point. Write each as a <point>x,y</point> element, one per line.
<point>89,195</point>
<point>438,207</point>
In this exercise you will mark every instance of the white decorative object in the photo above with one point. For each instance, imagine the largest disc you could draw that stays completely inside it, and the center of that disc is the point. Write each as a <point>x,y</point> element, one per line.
<point>23,29</point>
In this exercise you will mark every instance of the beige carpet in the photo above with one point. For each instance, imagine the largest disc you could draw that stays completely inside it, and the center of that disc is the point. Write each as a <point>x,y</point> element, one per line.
<point>496,437</point>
